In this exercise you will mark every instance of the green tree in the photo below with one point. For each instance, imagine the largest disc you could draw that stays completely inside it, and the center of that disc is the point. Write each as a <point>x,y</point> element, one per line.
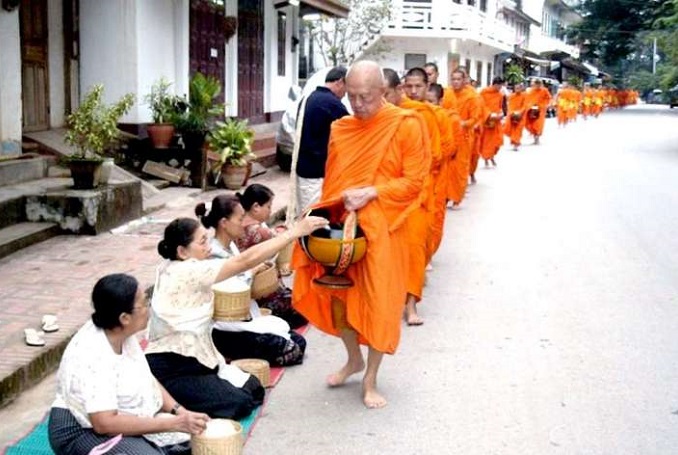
<point>340,40</point>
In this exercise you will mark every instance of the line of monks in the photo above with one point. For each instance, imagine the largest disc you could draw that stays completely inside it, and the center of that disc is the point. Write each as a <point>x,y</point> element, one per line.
<point>570,101</point>
<point>464,125</point>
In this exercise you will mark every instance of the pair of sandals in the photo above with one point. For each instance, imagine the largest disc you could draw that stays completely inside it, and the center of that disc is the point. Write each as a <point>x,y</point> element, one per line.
<point>36,337</point>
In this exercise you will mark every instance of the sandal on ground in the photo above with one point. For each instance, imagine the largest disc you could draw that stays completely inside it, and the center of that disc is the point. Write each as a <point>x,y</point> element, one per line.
<point>34,337</point>
<point>49,323</point>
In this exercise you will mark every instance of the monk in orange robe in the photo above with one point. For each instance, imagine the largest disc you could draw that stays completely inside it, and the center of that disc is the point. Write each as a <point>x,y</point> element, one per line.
<point>540,97</point>
<point>563,100</point>
<point>419,223</point>
<point>515,118</point>
<point>471,115</point>
<point>587,101</point>
<point>377,162</point>
<point>458,167</point>
<point>492,137</point>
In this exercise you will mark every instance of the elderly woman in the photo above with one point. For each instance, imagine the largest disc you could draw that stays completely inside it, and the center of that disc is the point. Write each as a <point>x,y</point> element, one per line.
<point>180,352</point>
<point>105,387</point>
<point>257,201</point>
<point>268,338</point>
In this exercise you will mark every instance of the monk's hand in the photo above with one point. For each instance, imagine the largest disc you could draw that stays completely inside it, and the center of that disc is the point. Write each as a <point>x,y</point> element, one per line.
<point>357,198</point>
<point>306,225</point>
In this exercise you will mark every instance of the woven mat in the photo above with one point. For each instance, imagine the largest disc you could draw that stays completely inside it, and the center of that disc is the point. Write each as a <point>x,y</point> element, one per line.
<point>37,443</point>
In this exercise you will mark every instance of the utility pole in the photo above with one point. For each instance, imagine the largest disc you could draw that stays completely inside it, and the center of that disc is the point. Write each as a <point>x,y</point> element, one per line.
<point>654,56</point>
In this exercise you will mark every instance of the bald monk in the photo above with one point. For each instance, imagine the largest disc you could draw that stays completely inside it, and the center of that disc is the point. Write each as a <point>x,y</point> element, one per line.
<point>492,137</point>
<point>540,97</point>
<point>377,163</point>
<point>562,104</point>
<point>458,167</point>
<point>471,115</point>
<point>515,116</point>
<point>419,223</point>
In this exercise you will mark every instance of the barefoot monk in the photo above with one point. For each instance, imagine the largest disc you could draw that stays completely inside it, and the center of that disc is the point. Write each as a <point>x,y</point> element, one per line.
<point>376,165</point>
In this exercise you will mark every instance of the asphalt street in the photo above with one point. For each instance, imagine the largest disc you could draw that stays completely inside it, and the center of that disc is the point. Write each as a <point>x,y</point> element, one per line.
<point>551,314</point>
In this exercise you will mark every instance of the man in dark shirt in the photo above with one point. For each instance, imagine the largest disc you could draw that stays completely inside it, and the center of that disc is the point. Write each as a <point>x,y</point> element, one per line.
<point>320,109</point>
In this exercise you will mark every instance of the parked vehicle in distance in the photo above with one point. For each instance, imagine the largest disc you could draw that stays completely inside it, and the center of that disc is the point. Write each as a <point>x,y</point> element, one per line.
<point>284,138</point>
<point>673,97</point>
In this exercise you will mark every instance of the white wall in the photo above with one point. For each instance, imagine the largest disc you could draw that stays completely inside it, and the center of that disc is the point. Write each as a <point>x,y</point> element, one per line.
<point>10,82</point>
<point>156,49</point>
<point>56,63</point>
<point>276,87</point>
<point>108,49</point>
<point>231,64</point>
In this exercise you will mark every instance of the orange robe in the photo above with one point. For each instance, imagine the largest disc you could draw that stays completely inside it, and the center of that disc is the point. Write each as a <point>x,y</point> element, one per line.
<point>517,103</point>
<point>471,114</point>
<point>538,97</point>
<point>388,151</point>
<point>457,175</point>
<point>448,150</point>
<point>419,222</point>
<point>562,103</point>
<point>492,138</point>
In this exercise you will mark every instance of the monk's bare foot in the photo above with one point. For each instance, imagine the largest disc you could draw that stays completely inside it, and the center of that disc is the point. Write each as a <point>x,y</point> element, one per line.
<point>339,378</point>
<point>372,398</point>
<point>411,316</point>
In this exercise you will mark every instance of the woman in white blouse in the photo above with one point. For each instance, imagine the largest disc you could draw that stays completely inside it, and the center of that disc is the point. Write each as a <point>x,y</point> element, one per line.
<point>180,352</point>
<point>105,387</point>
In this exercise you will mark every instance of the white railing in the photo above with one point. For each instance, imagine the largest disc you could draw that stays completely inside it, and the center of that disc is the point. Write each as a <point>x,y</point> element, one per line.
<point>447,19</point>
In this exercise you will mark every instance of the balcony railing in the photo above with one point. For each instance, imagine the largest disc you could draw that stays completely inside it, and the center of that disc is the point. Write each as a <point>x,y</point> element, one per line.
<point>446,19</point>
<point>543,43</point>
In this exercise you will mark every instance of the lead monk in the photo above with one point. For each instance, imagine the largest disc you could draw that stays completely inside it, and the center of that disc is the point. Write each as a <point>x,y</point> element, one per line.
<point>377,163</point>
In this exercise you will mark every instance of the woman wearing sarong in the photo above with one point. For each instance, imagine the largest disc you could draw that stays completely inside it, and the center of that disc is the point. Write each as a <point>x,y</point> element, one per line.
<point>180,352</point>
<point>105,387</point>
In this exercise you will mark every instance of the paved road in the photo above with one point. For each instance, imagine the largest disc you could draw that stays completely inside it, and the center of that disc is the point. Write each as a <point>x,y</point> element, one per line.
<point>551,315</point>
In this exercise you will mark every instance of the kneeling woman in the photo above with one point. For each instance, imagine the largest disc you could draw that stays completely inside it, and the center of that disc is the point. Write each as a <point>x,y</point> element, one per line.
<point>269,337</point>
<point>180,352</point>
<point>105,388</point>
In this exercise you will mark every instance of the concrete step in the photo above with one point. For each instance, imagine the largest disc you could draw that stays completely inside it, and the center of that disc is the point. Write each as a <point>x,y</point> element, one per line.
<point>12,209</point>
<point>266,157</point>
<point>22,170</point>
<point>22,235</point>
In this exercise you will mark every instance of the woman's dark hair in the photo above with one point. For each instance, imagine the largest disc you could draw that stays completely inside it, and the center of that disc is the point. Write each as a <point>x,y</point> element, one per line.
<point>178,233</point>
<point>223,206</point>
<point>113,295</point>
<point>255,193</point>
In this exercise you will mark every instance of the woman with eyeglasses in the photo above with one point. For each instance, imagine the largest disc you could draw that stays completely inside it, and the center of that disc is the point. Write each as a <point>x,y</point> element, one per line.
<point>181,352</point>
<point>105,387</point>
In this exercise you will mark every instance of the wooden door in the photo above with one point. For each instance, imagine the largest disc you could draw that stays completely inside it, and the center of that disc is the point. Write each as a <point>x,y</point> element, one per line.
<point>251,60</point>
<point>34,65</point>
<point>208,40</point>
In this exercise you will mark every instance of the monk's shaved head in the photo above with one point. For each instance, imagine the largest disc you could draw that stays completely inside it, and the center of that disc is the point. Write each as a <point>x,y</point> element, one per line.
<point>365,88</point>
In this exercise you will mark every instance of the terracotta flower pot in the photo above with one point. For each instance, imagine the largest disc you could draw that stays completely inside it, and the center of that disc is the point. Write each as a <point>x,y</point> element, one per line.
<point>161,134</point>
<point>235,177</point>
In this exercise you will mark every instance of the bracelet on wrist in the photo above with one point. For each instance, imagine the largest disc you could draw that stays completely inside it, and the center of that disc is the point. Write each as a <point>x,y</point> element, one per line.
<point>175,409</point>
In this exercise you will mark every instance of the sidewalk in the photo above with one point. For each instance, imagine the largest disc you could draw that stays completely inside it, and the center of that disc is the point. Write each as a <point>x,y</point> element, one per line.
<point>57,276</point>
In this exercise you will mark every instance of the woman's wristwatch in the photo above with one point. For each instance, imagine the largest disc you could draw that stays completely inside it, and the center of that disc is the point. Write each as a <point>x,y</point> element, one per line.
<point>175,408</point>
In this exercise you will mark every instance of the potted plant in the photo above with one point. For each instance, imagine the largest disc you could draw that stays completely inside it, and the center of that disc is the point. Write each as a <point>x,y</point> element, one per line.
<point>92,129</point>
<point>231,146</point>
<point>513,74</point>
<point>197,114</point>
<point>164,107</point>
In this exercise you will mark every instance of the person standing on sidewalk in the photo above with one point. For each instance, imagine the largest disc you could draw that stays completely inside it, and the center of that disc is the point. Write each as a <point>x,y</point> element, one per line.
<point>316,114</point>
<point>376,166</point>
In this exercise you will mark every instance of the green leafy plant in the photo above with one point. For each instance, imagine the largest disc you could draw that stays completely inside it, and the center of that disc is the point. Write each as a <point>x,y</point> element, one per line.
<point>93,127</point>
<point>514,74</point>
<point>164,104</point>
<point>200,110</point>
<point>231,141</point>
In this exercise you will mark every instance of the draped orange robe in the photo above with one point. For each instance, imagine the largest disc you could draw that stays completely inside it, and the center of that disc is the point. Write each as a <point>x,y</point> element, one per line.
<point>538,97</point>
<point>419,222</point>
<point>389,152</point>
<point>448,150</point>
<point>471,114</point>
<point>457,176</point>
<point>492,138</point>
<point>517,102</point>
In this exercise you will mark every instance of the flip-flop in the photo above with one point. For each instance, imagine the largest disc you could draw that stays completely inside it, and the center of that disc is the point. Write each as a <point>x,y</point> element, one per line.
<point>49,323</point>
<point>34,337</point>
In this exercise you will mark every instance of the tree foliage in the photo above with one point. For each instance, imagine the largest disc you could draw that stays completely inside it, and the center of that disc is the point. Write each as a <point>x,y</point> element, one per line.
<point>340,40</point>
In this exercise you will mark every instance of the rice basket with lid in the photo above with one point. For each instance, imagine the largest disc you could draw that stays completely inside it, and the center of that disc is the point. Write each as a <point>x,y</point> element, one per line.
<point>221,437</point>
<point>265,282</point>
<point>231,300</point>
<point>256,367</point>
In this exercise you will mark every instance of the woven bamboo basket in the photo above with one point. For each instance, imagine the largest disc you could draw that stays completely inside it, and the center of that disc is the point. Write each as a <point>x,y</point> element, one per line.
<point>284,259</point>
<point>231,306</point>
<point>212,444</point>
<point>265,311</point>
<point>265,282</point>
<point>256,367</point>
